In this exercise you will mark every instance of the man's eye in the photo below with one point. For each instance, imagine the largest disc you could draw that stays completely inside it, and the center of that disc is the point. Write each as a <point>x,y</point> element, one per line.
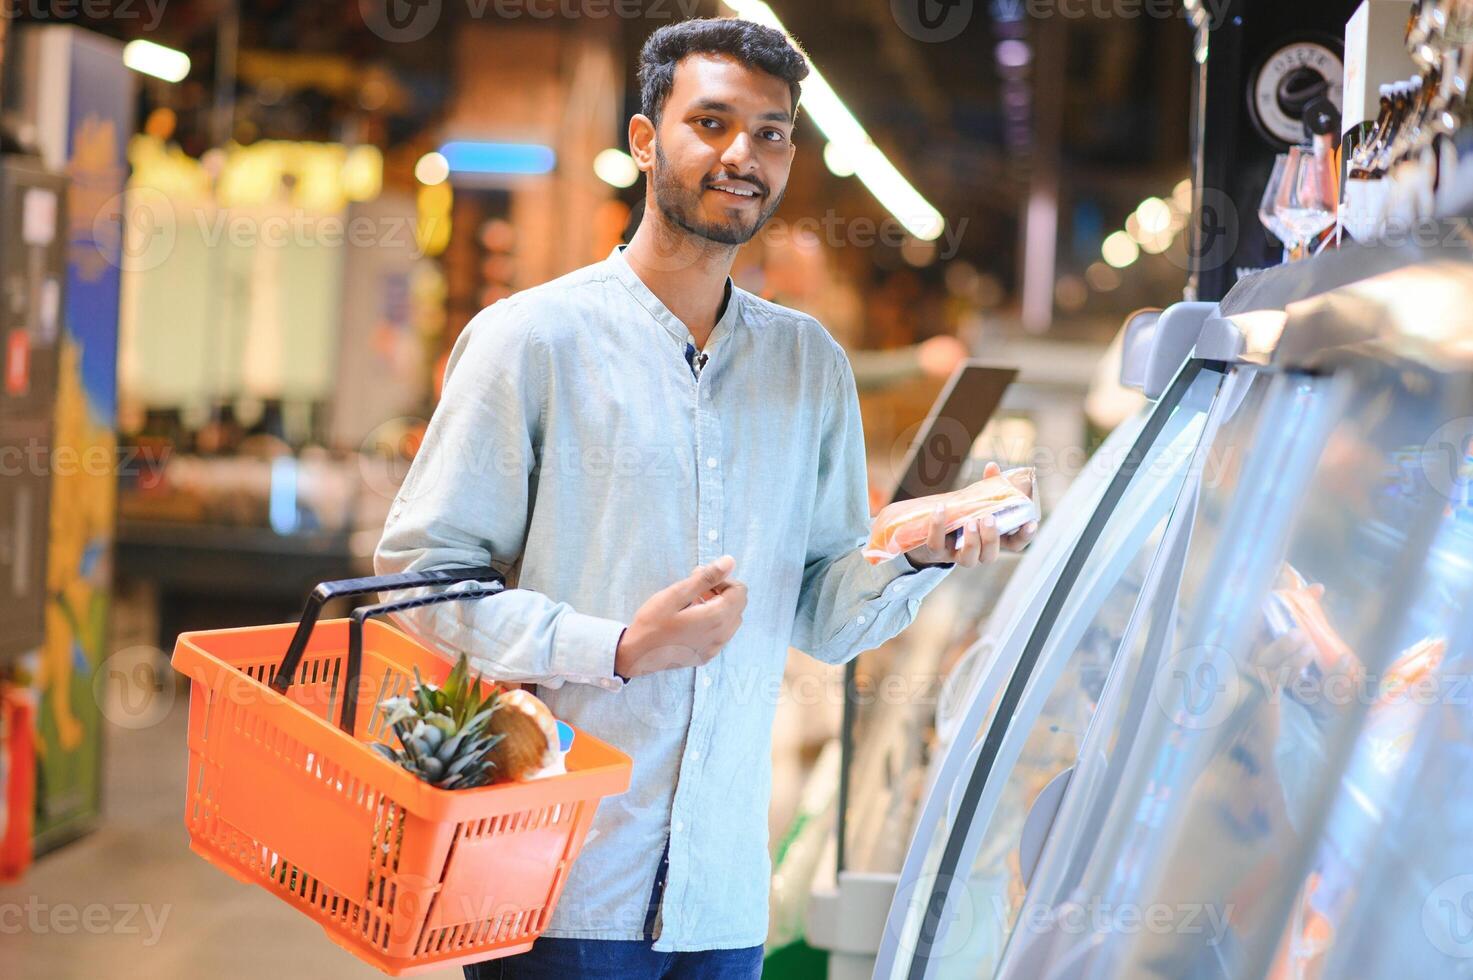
<point>702,123</point>
<point>774,135</point>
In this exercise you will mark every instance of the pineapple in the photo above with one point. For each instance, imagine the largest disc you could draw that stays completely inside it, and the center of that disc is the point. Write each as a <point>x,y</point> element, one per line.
<point>443,732</point>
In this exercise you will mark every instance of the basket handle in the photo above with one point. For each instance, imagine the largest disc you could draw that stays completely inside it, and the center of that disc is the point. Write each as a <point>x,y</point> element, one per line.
<point>348,716</point>
<point>327,591</point>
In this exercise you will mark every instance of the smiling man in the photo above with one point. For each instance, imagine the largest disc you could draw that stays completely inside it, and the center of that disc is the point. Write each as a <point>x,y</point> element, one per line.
<point>604,433</point>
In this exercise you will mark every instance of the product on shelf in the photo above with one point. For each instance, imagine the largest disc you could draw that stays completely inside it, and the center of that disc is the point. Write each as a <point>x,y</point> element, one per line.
<point>903,525</point>
<point>1413,163</point>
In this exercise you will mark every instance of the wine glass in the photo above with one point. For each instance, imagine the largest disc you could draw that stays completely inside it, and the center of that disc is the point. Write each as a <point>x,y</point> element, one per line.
<point>1306,199</point>
<point>1267,216</point>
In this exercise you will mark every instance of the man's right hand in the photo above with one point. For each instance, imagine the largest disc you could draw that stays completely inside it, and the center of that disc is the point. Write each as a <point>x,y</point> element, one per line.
<point>684,624</point>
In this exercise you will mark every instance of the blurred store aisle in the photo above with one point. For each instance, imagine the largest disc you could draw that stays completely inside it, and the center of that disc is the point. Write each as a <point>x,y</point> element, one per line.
<point>131,900</point>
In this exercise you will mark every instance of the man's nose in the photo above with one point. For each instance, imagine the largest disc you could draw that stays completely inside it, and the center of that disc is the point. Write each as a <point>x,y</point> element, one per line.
<point>738,156</point>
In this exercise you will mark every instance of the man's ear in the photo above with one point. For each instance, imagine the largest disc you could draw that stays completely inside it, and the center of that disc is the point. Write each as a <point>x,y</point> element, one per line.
<point>642,141</point>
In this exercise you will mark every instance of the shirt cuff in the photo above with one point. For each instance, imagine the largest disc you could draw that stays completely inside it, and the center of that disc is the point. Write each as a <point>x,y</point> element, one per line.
<point>904,560</point>
<point>583,649</point>
<point>905,579</point>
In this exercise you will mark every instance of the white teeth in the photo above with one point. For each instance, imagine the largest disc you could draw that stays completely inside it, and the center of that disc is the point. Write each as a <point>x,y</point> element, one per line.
<point>732,190</point>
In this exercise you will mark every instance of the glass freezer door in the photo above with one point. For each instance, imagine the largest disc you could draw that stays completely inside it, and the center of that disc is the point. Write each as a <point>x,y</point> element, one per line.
<point>1300,567</point>
<point>1023,597</point>
<point>1109,559</point>
<point>1389,892</point>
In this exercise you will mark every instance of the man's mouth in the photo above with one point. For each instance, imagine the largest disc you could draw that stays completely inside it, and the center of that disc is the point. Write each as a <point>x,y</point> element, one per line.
<point>744,192</point>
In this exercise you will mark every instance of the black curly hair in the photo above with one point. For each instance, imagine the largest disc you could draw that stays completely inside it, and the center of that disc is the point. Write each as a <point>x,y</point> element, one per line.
<point>755,45</point>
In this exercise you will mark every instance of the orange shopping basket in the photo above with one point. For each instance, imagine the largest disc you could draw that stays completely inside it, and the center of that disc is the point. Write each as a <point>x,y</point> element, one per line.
<point>402,874</point>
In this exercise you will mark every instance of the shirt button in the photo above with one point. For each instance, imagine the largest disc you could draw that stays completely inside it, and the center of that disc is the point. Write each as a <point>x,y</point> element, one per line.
<point>677,826</point>
<point>711,461</point>
<point>860,620</point>
<point>711,535</point>
<point>706,680</point>
<point>695,754</point>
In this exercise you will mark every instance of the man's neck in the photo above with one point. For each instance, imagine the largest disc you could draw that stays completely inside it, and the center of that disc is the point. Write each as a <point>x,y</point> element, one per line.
<point>687,273</point>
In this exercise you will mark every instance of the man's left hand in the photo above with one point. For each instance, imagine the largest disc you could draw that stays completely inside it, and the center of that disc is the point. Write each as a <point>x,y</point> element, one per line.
<point>975,543</point>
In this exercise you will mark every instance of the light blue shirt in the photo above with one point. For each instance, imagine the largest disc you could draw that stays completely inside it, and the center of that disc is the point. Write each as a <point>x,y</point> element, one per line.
<point>574,447</point>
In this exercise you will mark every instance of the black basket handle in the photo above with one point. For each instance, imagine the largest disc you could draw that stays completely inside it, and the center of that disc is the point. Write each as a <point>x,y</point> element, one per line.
<point>348,716</point>
<point>328,591</point>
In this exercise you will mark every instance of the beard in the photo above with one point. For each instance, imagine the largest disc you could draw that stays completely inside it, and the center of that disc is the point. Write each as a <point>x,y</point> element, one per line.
<point>681,206</point>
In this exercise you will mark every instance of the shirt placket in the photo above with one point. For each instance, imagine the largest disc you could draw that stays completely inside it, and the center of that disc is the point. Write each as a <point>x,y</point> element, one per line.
<point>709,544</point>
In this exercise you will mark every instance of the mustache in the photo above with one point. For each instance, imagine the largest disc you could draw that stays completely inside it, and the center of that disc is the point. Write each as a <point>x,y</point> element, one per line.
<point>751,182</point>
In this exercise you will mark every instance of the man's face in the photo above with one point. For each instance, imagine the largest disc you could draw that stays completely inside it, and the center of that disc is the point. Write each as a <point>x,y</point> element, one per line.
<point>723,149</point>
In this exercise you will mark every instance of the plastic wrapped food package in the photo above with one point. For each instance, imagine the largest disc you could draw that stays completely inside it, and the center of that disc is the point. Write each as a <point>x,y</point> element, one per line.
<point>1007,498</point>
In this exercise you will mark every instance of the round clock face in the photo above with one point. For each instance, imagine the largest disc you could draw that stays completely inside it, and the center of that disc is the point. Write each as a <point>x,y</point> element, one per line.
<point>1290,78</point>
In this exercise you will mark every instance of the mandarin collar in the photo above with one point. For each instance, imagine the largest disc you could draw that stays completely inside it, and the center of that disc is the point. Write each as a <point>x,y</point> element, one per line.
<point>657,309</point>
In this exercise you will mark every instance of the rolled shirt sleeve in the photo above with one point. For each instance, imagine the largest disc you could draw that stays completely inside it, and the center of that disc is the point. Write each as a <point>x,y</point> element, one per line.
<point>845,604</point>
<point>465,502</point>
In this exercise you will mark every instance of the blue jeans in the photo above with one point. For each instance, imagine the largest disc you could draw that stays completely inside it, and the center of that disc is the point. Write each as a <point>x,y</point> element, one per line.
<point>618,959</point>
<point>552,958</point>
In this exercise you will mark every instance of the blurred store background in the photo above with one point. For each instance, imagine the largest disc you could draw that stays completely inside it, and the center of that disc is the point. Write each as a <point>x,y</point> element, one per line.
<point>251,231</point>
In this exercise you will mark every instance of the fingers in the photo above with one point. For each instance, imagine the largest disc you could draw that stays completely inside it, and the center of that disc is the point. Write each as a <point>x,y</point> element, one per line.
<point>704,579</point>
<point>711,624</point>
<point>936,533</point>
<point>991,470</point>
<point>991,541</point>
<point>969,544</point>
<point>1019,539</point>
<point>729,600</point>
<point>979,542</point>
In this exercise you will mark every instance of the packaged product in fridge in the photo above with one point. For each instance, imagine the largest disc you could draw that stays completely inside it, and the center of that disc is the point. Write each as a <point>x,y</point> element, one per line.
<point>1008,498</point>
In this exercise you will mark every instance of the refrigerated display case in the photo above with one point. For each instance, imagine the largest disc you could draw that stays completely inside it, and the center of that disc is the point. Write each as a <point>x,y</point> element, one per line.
<point>1110,558</point>
<point>961,636</point>
<point>1406,901</point>
<point>1172,695</point>
<point>992,636</point>
<point>1098,535</point>
<point>1387,890</point>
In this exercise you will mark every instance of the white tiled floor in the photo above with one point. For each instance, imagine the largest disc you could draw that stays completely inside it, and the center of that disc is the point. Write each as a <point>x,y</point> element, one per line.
<point>131,900</point>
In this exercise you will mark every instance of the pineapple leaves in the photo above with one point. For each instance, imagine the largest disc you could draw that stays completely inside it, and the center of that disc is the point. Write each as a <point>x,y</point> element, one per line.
<point>442,730</point>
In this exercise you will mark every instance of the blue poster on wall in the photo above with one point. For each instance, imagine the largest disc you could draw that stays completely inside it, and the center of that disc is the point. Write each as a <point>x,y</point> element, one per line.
<point>99,124</point>
<point>83,102</point>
